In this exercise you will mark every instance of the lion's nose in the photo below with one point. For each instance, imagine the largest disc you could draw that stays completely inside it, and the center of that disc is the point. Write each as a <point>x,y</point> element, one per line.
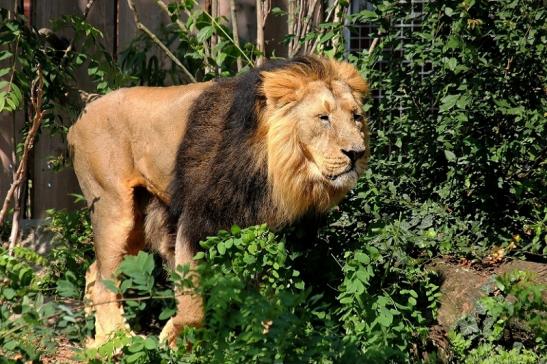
<point>354,154</point>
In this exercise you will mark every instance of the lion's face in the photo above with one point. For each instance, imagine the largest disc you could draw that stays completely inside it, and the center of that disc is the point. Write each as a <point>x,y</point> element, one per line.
<point>332,133</point>
<point>316,133</point>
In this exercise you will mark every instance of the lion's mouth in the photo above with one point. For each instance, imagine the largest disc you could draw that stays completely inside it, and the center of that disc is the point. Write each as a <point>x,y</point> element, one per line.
<point>334,177</point>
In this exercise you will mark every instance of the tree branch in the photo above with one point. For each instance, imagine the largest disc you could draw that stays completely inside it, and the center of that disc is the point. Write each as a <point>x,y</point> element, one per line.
<point>37,94</point>
<point>68,49</point>
<point>183,28</point>
<point>157,41</point>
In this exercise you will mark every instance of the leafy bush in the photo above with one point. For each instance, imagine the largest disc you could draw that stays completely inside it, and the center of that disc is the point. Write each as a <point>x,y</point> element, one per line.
<point>461,122</point>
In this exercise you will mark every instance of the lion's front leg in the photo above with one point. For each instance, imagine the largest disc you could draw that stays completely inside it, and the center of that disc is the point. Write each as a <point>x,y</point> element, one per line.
<point>189,305</point>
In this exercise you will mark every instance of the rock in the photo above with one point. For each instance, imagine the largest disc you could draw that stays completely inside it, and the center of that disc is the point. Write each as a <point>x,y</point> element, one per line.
<point>462,286</point>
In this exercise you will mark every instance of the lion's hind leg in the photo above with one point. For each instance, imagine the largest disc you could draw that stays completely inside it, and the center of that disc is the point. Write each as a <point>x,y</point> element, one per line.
<point>118,231</point>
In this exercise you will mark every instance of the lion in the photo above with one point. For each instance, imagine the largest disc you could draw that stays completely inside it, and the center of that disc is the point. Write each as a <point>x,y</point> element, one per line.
<point>164,167</point>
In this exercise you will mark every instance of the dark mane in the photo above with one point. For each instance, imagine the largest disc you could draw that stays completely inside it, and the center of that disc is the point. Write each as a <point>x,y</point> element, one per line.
<point>217,182</point>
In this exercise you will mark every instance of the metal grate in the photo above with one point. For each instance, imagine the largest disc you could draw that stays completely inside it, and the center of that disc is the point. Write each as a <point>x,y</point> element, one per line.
<point>361,36</point>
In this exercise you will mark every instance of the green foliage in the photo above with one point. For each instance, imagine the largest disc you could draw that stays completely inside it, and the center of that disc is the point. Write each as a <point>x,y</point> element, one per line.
<point>466,136</point>
<point>30,321</point>
<point>488,354</point>
<point>24,314</point>
<point>190,41</point>
<point>385,311</point>
<point>257,307</point>
<point>25,52</point>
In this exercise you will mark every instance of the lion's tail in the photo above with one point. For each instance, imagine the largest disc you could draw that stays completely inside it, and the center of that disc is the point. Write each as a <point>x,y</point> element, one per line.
<point>158,234</point>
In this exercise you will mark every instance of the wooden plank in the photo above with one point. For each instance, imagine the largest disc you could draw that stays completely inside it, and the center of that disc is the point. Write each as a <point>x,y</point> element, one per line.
<point>150,15</point>
<point>7,4</point>
<point>275,30</point>
<point>52,189</point>
<point>103,16</point>
<point>246,18</point>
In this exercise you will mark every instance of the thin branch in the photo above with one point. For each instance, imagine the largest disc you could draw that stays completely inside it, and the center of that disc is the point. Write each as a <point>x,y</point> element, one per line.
<point>308,22</point>
<point>373,45</point>
<point>298,25</point>
<point>37,94</point>
<point>183,28</point>
<point>163,6</point>
<point>302,24</point>
<point>260,32</point>
<point>140,26</point>
<point>339,9</point>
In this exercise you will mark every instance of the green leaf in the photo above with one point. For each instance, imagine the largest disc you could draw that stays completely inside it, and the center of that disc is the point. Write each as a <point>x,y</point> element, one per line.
<point>385,318</point>
<point>248,259</point>
<point>2,100</point>
<point>110,285</point>
<point>126,284</point>
<point>363,276</point>
<point>137,346</point>
<point>8,293</point>
<point>277,11</point>
<point>450,156</point>
<point>235,230</point>
<point>362,258</point>
<point>65,288</point>
<point>134,357</point>
<point>17,93</point>
<point>221,247</point>
<point>205,33</point>
<point>167,313</point>
<point>368,15</point>
<point>150,343</point>
<point>5,54</point>
<point>448,102</point>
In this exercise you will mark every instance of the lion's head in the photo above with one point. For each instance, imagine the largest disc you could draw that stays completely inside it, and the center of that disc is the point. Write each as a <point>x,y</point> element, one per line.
<point>317,137</point>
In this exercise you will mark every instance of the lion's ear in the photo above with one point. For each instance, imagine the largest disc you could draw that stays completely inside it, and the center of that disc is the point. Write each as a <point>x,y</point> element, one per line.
<point>351,76</point>
<point>281,87</point>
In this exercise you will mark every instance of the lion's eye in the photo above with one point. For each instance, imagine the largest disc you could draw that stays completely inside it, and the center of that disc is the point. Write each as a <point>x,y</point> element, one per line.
<point>324,118</point>
<point>358,118</point>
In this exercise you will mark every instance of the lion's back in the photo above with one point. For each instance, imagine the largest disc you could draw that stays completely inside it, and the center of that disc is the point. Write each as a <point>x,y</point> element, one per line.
<point>132,135</point>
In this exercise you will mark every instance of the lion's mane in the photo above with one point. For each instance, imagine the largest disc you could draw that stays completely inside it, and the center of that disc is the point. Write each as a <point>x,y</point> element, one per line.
<point>239,162</point>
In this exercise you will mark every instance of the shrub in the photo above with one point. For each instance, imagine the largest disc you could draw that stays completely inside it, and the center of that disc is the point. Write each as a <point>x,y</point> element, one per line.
<point>467,136</point>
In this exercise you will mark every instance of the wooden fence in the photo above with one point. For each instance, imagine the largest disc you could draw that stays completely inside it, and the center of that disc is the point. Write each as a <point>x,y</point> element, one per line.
<point>52,189</point>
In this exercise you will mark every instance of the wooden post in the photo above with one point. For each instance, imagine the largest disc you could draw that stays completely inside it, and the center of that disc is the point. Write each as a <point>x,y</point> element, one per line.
<point>262,11</point>
<point>235,31</point>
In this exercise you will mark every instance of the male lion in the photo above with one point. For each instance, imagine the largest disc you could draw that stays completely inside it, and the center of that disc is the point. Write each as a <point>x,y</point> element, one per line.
<point>165,167</point>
